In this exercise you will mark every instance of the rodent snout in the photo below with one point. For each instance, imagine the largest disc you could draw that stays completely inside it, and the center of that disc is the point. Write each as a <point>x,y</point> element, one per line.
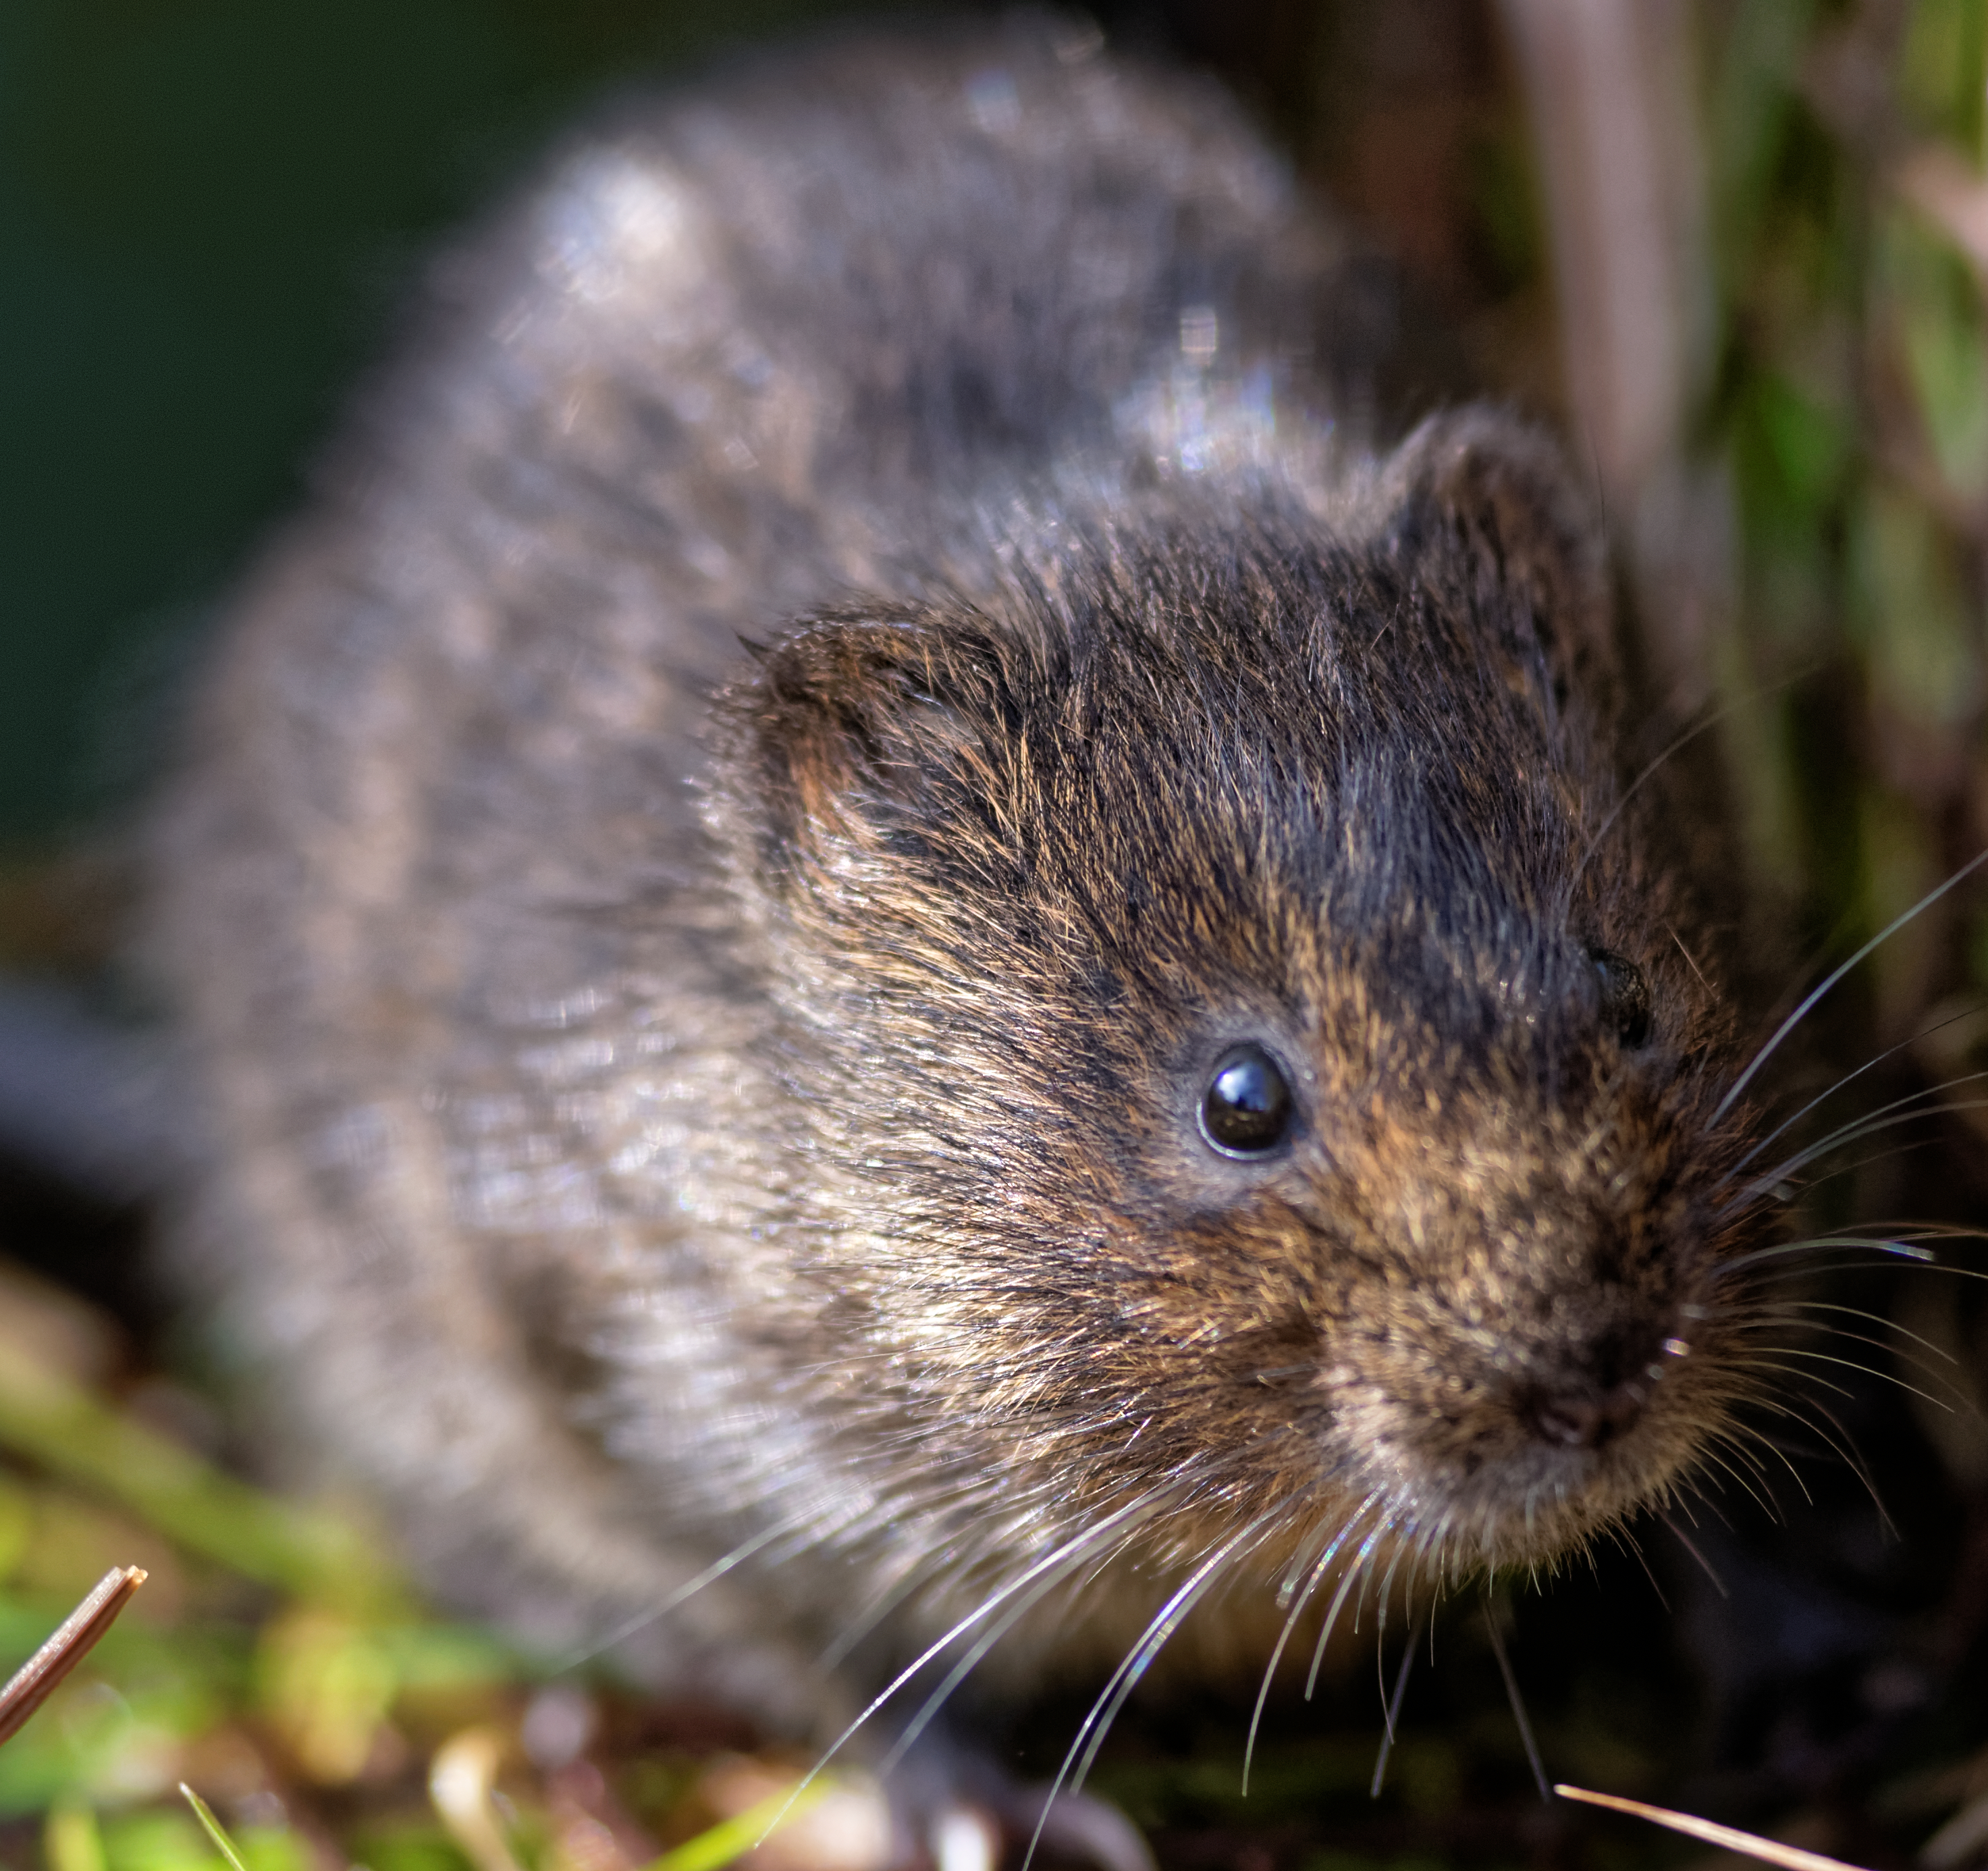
<point>1592,1407</point>
<point>1579,1419</point>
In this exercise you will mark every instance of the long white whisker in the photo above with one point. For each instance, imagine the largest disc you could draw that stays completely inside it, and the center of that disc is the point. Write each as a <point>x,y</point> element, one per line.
<point>1722,1449</point>
<point>642,1619</point>
<point>1353,1572</point>
<point>1852,1128</point>
<point>1704,1500</point>
<point>1393,1712</point>
<point>1634,785</point>
<point>1863,1370</point>
<point>1624,1537</point>
<point>1720,1438</point>
<point>1789,1276</point>
<point>1909,1250</point>
<point>1143,1508</point>
<point>1690,960</point>
<point>1850,1133</point>
<point>872,1611</point>
<point>1517,1700</point>
<point>1932,1375</point>
<point>1740,1481</point>
<point>1775,1450</point>
<point>1691,1546</point>
<point>1163,1627</point>
<point>1765,1362</point>
<point>1840,1444</point>
<point>1884,934</point>
<point>1079,1557</point>
<point>1874,1318</point>
<point>1090,1736</point>
<point>1311,1584</point>
<point>1788,1123</point>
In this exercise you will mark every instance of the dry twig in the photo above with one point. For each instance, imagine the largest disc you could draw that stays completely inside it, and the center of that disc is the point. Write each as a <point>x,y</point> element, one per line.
<point>35,1680</point>
<point>1790,1858</point>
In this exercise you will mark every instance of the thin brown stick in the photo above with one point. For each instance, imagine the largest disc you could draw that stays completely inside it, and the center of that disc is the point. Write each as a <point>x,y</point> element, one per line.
<point>1792,1857</point>
<point>34,1681</point>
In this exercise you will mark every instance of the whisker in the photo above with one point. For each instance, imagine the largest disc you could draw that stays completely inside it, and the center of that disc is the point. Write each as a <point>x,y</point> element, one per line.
<point>1380,1618</point>
<point>1845,1450</point>
<point>1691,1546</point>
<point>1353,1571</point>
<point>1130,1517</point>
<point>1891,1152</point>
<point>1853,1133</point>
<point>1629,792</point>
<point>1302,1555</point>
<point>1722,1440</point>
<point>985,1643</point>
<point>1774,1449</point>
<point>1754,1471</point>
<point>1140,1659</point>
<point>641,1620</point>
<point>1877,1059</point>
<point>1740,1481</point>
<point>1090,1736</point>
<point>1626,1540</point>
<point>1317,1576</point>
<point>1937,1231</point>
<point>1690,960</point>
<point>1873,1318</point>
<point>1518,1701</point>
<point>1803,1276</point>
<point>1845,1134</point>
<point>1763,1362</point>
<point>1699,1492</point>
<point>1961,1398</point>
<point>878,1607</point>
<point>1909,1250</point>
<point>1864,1370</point>
<point>1393,1705</point>
<point>1884,934</point>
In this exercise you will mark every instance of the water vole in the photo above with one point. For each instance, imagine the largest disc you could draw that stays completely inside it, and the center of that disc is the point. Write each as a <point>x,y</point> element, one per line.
<point>863,922</point>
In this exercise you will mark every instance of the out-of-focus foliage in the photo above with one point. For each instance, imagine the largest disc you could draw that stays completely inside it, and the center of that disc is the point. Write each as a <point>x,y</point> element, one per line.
<point>274,1662</point>
<point>1848,212</point>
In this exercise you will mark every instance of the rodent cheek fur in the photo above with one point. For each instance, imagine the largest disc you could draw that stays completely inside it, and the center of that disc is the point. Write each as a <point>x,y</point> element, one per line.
<point>1019,904</point>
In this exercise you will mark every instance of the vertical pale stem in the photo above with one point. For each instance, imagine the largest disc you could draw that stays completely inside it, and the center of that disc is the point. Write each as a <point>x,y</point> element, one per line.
<point>1608,89</point>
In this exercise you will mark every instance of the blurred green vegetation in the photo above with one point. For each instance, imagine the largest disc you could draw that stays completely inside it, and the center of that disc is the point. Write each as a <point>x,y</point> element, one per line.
<point>1850,407</point>
<point>274,1659</point>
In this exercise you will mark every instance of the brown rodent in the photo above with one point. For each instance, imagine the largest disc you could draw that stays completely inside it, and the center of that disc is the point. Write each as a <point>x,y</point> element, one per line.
<point>863,921</point>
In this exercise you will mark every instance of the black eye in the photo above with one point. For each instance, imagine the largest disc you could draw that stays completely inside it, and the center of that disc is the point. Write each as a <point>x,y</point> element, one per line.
<point>1625,998</point>
<point>1246,1110</point>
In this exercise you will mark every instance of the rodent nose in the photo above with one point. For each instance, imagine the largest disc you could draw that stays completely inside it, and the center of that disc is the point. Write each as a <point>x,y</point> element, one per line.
<point>1586,1420</point>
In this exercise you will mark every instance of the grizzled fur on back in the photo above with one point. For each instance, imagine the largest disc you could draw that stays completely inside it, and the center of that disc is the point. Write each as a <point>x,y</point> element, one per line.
<point>855,672</point>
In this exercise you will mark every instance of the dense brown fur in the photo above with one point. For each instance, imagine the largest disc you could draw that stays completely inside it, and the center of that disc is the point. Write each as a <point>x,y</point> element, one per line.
<point>716,1129</point>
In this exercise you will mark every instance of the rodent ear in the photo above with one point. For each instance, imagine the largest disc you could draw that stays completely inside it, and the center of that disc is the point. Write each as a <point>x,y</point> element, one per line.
<point>857,731</point>
<point>1494,497</point>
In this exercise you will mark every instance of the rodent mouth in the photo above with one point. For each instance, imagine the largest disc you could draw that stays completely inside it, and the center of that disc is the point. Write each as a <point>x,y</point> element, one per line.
<point>1519,1467</point>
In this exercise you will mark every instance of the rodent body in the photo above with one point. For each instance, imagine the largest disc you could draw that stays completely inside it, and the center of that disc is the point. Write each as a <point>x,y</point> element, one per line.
<point>742,1128</point>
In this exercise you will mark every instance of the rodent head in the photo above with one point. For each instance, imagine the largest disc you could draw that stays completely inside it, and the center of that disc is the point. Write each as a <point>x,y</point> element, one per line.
<point>1241,1055</point>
